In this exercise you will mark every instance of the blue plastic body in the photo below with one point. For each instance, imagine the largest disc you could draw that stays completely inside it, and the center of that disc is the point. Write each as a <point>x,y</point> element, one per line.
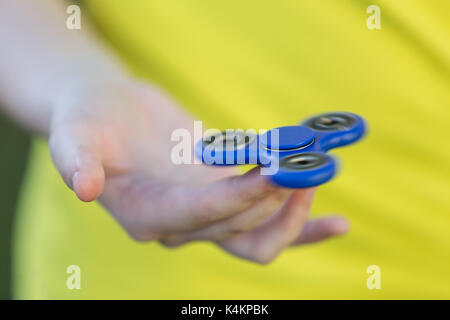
<point>296,155</point>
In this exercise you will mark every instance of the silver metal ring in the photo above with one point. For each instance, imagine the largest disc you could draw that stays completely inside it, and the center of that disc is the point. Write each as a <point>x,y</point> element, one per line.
<point>303,161</point>
<point>333,121</point>
<point>229,141</point>
<point>287,150</point>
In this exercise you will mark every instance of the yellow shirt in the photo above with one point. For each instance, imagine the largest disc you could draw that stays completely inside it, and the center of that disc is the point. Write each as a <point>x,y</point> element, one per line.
<point>262,64</point>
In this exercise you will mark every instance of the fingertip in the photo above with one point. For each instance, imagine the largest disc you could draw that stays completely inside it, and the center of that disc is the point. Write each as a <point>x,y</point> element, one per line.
<point>323,228</point>
<point>340,225</point>
<point>88,186</point>
<point>333,226</point>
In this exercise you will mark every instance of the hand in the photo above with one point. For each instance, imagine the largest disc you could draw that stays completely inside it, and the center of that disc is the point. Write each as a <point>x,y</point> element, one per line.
<point>112,142</point>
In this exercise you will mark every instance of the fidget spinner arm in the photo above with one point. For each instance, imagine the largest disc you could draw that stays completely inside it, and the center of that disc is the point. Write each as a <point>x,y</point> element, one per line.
<point>297,154</point>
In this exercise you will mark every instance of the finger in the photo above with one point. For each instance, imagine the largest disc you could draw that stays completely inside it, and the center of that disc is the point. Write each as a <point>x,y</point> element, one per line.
<point>321,229</point>
<point>168,209</point>
<point>243,222</point>
<point>264,243</point>
<point>78,162</point>
<point>254,216</point>
<point>234,194</point>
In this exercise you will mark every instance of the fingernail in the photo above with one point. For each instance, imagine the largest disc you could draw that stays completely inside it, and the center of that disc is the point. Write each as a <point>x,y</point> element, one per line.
<point>74,178</point>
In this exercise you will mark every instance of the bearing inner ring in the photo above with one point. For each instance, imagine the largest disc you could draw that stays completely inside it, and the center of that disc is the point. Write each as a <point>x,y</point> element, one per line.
<point>331,121</point>
<point>228,141</point>
<point>303,161</point>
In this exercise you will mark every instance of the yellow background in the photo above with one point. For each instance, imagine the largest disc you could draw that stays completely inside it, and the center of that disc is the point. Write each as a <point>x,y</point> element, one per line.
<point>262,64</point>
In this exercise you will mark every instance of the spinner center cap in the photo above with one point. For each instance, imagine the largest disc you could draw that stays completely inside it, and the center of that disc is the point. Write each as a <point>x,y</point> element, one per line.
<point>290,137</point>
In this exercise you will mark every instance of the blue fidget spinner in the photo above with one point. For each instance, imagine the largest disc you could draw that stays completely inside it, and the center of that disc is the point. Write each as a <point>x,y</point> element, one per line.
<point>293,156</point>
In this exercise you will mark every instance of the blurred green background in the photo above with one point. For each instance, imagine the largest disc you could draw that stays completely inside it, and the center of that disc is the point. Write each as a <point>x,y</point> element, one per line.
<point>14,144</point>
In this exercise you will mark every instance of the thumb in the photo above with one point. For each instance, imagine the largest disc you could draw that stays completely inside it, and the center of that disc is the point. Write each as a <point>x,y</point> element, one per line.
<point>79,162</point>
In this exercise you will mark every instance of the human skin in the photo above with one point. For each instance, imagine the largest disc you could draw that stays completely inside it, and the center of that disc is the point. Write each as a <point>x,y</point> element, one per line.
<point>109,136</point>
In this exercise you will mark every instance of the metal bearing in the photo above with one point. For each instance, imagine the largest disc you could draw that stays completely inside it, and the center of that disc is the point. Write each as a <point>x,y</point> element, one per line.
<point>229,140</point>
<point>303,161</point>
<point>331,121</point>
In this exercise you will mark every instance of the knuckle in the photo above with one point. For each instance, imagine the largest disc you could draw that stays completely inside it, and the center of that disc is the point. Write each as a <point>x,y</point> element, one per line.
<point>171,242</point>
<point>263,260</point>
<point>248,194</point>
<point>264,256</point>
<point>141,236</point>
<point>204,213</point>
<point>204,217</point>
<point>238,229</point>
<point>281,195</point>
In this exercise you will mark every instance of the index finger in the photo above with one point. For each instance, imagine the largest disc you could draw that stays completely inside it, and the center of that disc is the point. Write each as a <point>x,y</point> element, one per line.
<point>165,208</point>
